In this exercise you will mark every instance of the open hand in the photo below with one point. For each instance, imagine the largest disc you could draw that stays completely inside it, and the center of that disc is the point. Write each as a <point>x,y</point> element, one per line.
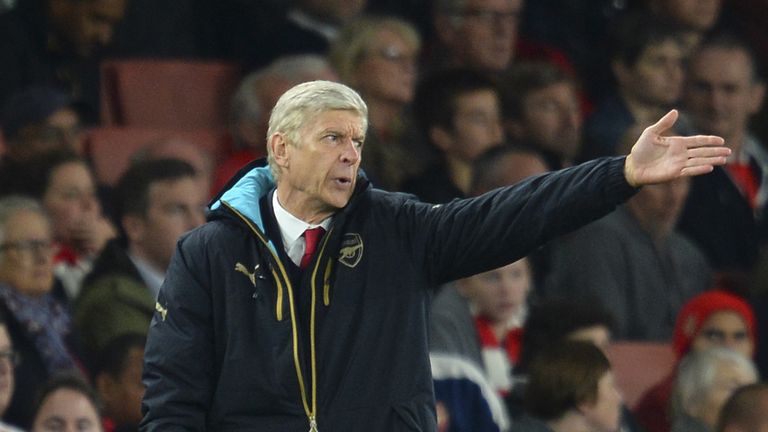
<point>656,158</point>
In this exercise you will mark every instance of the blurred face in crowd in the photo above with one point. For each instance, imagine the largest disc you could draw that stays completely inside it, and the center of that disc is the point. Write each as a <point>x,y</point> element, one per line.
<point>728,377</point>
<point>483,34</point>
<point>657,207</point>
<point>318,173</point>
<point>86,25</point>
<point>26,254</point>
<point>122,394</point>
<point>552,120</point>
<point>501,293</point>
<point>60,131</point>
<point>699,15</point>
<point>656,78</point>
<point>6,369</point>
<point>387,71</point>
<point>67,410</point>
<point>174,207</point>
<point>476,126</point>
<point>71,201</point>
<point>721,92</point>
<point>603,415</point>
<point>725,329</point>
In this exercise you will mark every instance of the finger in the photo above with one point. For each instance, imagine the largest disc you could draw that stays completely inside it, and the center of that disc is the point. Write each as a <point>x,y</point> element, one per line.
<point>696,141</point>
<point>710,161</point>
<point>664,123</point>
<point>697,170</point>
<point>708,152</point>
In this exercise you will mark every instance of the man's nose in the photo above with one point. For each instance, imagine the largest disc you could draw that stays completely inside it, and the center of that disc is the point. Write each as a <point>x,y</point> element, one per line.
<point>351,152</point>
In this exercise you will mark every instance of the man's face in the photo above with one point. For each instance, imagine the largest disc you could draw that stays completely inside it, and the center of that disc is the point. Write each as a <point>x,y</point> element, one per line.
<point>483,35</point>
<point>552,119</point>
<point>387,72</point>
<point>476,126</point>
<point>499,294</point>
<point>122,394</point>
<point>604,414</point>
<point>60,131</point>
<point>6,369</point>
<point>725,329</point>
<point>698,15</point>
<point>26,259</point>
<point>86,25</point>
<point>658,206</point>
<point>175,207</point>
<point>656,78</point>
<point>721,94</point>
<point>319,172</point>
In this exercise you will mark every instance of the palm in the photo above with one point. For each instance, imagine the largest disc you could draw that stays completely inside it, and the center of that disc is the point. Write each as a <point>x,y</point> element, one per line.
<point>656,158</point>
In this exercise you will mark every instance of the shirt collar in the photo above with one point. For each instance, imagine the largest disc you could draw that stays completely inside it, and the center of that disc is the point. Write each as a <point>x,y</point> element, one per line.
<point>291,227</point>
<point>152,278</point>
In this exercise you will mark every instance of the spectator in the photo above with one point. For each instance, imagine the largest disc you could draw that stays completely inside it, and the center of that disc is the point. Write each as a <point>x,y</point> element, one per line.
<point>377,57</point>
<point>476,34</point>
<point>458,112</point>
<point>9,358</point>
<point>639,266</point>
<point>505,165</point>
<point>67,403</point>
<point>252,102</point>
<point>57,42</point>
<point>570,389</point>
<point>159,200</point>
<point>746,410</point>
<point>696,18</point>
<point>711,319</point>
<point>541,106</point>
<point>647,64</point>
<point>37,323</point>
<point>705,380</point>
<point>34,122</point>
<point>176,148</point>
<point>65,184</point>
<point>118,382</point>
<point>480,318</point>
<point>722,93</point>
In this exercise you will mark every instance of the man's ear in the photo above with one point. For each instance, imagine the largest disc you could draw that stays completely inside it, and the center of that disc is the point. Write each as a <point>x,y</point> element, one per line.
<point>279,148</point>
<point>441,138</point>
<point>756,97</point>
<point>133,226</point>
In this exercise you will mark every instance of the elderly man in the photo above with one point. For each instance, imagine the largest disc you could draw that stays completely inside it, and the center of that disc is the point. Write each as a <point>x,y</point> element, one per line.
<point>303,302</point>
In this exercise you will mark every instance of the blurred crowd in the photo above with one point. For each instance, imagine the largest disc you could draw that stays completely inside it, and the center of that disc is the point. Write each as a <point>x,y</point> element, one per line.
<point>121,119</point>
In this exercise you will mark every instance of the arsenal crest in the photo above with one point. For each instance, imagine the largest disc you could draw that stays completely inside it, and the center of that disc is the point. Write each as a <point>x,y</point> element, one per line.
<point>351,250</point>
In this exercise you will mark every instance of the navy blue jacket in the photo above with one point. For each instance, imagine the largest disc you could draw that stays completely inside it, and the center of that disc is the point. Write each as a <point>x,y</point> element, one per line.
<point>239,331</point>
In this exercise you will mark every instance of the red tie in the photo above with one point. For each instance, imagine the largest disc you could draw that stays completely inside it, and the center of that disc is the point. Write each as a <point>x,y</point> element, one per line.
<point>312,237</point>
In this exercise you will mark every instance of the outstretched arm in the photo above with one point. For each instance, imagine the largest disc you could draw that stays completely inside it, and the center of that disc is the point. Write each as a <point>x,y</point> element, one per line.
<point>656,158</point>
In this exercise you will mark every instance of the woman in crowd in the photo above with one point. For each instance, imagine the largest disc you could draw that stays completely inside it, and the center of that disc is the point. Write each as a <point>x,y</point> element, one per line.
<point>37,323</point>
<point>378,58</point>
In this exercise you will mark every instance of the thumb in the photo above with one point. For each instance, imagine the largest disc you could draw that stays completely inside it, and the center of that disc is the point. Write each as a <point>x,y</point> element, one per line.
<point>664,123</point>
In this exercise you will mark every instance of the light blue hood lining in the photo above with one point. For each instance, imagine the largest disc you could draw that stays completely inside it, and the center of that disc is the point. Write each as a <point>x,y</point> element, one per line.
<point>244,196</point>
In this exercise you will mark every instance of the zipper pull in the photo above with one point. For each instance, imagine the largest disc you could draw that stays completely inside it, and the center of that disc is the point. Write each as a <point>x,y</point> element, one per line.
<point>312,424</point>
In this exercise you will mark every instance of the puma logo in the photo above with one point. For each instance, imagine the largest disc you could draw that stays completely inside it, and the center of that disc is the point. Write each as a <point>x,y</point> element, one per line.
<point>251,275</point>
<point>163,311</point>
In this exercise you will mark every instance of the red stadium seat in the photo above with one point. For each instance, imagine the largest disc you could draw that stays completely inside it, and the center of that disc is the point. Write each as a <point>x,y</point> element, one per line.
<point>638,366</point>
<point>167,93</point>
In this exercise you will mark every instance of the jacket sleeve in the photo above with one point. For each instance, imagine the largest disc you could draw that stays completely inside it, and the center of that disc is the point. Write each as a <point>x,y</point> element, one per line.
<point>178,361</point>
<point>470,236</point>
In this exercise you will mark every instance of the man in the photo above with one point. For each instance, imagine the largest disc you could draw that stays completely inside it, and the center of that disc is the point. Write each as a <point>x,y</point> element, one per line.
<point>117,379</point>
<point>541,107</point>
<point>723,91</point>
<point>478,34</point>
<point>158,201</point>
<point>459,113</point>
<point>746,410</point>
<point>57,42</point>
<point>260,327</point>
<point>647,63</point>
